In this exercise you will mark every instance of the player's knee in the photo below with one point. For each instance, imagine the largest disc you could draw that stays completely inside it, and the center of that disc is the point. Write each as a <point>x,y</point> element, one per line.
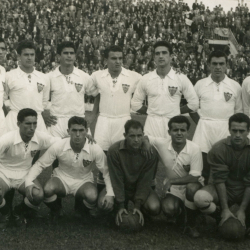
<point>49,190</point>
<point>169,208</point>
<point>38,195</point>
<point>191,189</point>
<point>204,201</point>
<point>91,195</point>
<point>154,208</point>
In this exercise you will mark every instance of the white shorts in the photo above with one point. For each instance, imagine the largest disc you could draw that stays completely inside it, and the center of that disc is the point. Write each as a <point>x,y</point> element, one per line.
<point>72,185</point>
<point>12,182</point>
<point>11,122</point>
<point>178,191</point>
<point>157,126</point>
<point>208,132</point>
<point>109,130</point>
<point>3,129</point>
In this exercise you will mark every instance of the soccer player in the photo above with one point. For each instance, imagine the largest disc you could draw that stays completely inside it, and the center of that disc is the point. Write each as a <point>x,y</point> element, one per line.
<point>182,160</point>
<point>220,97</point>
<point>26,87</point>
<point>246,96</point>
<point>230,166</point>
<point>17,149</point>
<point>74,174</point>
<point>2,86</point>
<point>164,88</point>
<point>116,86</point>
<point>131,174</point>
<point>68,85</point>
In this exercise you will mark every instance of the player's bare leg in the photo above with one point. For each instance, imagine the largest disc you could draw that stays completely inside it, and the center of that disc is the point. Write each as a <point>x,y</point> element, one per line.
<point>152,206</point>
<point>54,190</point>
<point>87,196</point>
<point>4,208</point>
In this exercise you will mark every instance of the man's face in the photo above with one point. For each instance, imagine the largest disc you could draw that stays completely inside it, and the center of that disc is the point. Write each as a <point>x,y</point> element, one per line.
<point>28,126</point>
<point>114,61</point>
<point>218,66</point>
<point>134,138</point>
<point>178,133</point>
<point>239,133</point>
<point>77,133</point>
<point>162,56</point>
<point>27,58</point>
<point>67,57</point>
<point>2,51</point>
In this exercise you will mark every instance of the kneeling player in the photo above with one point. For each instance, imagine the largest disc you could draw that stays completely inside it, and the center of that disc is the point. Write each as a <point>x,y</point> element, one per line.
<point>17,149</point>
<point>183,165</point>
<point>230,164</point>
<point>74,175</point>
<point>131,174</point>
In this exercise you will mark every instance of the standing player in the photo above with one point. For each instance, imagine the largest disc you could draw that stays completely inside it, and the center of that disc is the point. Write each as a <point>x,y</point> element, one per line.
<point>164,89</point>
<point>230,166</point>
<point>74,174</point>
<point>131,174</point>
<point>116,86</point>
<point>2,86</point>
<point>25,87</point>
<point>246,96</point>
<point>68,85</point>
<point>17,149</point>
<point>220,97</point>
<point>182,160</point>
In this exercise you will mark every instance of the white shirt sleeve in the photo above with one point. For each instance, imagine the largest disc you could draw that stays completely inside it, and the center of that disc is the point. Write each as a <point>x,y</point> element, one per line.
<point>190,94</point>
<point>139,96</point>
<point>196,163</point>
<point>101,163</point>
<point>246,96</point>
<point>44,162</point>
<point>91,88</point>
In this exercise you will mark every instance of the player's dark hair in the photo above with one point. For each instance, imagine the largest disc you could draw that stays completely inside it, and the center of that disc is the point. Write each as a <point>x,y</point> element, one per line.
<point>132,124</point>
<point>216,53</point>
<point>178,119</point>
<point>113,48</point>
<point>239,117</point>
<point>23,113</point>
<point>164,44</point>
<point>65,44</point>
<point>25,44</point>
<point>77,120</point>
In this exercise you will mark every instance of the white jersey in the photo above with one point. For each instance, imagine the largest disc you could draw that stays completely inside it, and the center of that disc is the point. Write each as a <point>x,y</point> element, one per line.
<point>71,163</point>
<point>164,95</point>
<point>2,87</point>
<point>24,90</point>
<point>67,92</point>
<point>115,94</point>
<point>218,101</point>
<point>246,96</point>
<point>16,156</point>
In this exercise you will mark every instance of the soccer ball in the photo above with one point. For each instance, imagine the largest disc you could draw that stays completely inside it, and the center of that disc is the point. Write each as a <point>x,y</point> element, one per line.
<point>130,223</point>
<point>232,229</point>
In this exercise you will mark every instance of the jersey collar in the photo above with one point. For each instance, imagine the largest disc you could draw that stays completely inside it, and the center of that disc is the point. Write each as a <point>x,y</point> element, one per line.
<point>18,138</point>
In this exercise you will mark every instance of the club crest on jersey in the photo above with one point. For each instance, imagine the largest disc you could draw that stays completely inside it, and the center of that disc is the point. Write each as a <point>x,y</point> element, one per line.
<point>78,87</point>
<point>125,88</point>
<point>227,96</point>
<point>86,163</point>
<point>33,153</point>
<point>172,90</point>
<point>40,87</point>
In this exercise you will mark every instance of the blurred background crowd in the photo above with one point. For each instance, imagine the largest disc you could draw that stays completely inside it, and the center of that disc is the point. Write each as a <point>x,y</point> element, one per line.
<point>132,24</point>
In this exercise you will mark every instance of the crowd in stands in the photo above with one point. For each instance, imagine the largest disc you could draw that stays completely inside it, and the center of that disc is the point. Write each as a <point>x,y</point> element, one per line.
<point>95,24</point>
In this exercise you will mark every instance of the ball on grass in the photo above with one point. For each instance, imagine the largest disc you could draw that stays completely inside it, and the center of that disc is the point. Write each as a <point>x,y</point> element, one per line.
<point>232,229</point>
<point>130,223</point>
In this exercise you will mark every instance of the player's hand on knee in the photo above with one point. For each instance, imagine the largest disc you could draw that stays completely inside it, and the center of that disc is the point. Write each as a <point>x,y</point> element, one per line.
<point>90,139</point>
<point>29,190</point>
<point>118,218</point>
<point>166,185</point>
<point>141,218</point>
<point>241,216</point>
<point>108,202</point>
<point>226,214</point>
<point>49,119</point>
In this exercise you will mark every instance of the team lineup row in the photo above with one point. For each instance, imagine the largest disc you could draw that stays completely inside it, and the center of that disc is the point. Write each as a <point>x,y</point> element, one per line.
<point>128,175</point>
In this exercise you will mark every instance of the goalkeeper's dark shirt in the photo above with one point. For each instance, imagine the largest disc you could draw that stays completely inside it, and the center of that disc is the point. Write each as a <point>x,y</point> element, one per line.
<point>131,173</point>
